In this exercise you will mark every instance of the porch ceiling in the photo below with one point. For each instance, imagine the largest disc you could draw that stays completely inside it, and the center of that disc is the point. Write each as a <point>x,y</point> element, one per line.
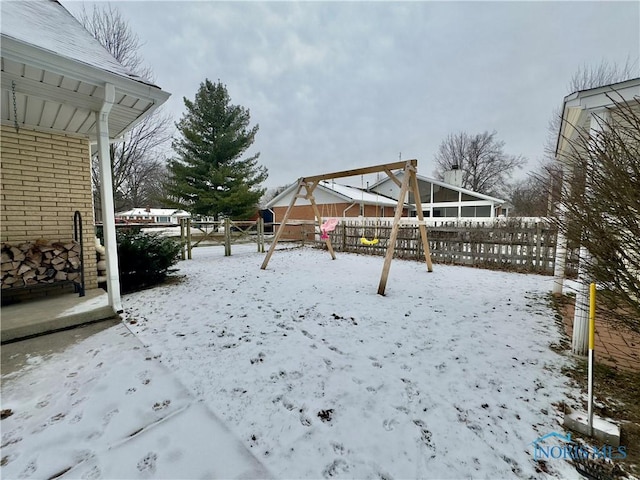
<point>51,99</point>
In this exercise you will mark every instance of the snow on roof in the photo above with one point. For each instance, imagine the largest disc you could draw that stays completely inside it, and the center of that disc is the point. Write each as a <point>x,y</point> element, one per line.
<point>357,195</point>
<point>154,212</point>
<point>47,25</point>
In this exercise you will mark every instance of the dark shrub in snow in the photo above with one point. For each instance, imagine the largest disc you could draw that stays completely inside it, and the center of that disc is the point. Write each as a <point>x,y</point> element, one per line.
<point>144,259</point>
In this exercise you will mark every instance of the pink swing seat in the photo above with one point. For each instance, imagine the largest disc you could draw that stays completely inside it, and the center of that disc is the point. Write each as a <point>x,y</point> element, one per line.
<point>328,226</point>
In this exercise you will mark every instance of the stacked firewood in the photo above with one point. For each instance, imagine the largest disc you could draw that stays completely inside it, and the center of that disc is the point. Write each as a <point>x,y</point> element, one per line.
<point>39,262</point>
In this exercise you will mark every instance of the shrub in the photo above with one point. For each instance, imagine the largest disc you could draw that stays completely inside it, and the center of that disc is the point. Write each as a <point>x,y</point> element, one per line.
<point>144,259</point>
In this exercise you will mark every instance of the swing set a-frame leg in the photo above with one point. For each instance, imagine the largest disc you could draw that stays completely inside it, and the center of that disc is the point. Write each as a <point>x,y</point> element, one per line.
<point>310,187</point>
<point>421,225</point>
<point>394,231</point>
<point>408,179</point>
<point>282,224</point>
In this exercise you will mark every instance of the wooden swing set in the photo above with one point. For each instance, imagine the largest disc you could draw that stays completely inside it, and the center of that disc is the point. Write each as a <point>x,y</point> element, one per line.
<point>409,181</point>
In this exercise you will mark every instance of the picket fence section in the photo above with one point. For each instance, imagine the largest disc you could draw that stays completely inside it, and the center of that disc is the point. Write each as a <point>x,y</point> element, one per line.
<point>507,244</point>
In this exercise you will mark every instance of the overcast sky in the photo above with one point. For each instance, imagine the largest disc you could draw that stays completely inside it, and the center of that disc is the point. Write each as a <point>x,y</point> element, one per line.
<point>336,85</point>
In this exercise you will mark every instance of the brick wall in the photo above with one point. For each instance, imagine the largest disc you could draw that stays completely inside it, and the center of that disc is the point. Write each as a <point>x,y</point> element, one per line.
<point>45,178</point>
<point>305,212</point>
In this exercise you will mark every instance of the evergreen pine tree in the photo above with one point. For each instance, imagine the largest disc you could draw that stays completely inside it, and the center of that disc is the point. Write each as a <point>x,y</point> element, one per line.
<point>209,177</point>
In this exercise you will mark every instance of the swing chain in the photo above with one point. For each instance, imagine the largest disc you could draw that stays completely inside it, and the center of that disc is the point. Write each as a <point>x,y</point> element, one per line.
<point>15,107</point>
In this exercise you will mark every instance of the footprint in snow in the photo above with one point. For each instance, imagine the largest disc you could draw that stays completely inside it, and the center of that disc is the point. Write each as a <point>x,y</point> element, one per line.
<point>44,402</point>
<point>338,448</point>
<point>108,416</point>
<point>304,420</point>
<point>425,434</point>
<point>56,418</point>
<point>29,470</point>
<point>410,389</point>
<point>148,463</point>
<point>389,424</point>
<point>76,418</point>
<point>337,467</point>
<point>93,474</point>
<point>144,377</point>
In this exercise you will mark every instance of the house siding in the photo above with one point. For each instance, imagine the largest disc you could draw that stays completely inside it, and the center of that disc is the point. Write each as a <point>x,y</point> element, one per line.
<point>46,177</point>
<point>305,212</point>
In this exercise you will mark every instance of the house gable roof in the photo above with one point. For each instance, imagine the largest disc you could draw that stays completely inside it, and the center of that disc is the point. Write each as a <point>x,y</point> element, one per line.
<point>342,193</point>
<point>465,191</point>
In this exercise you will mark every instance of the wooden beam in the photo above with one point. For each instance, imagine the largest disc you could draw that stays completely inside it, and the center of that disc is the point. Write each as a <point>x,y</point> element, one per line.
<point>421,225</point>
<point>301,184</point>
<point>394,229</point>
<point>362,171</point>
<point>393,178</point>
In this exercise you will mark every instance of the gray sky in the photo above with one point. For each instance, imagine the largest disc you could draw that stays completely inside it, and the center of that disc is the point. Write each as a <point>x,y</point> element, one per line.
<point>339,85</point>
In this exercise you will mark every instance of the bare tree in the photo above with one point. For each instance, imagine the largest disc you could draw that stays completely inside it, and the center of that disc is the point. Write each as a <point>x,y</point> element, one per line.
<point>537,195</point>
<point>485,166</point>
<point>585,78</point>
<point>138,152</point>
<point>605,216</point>
<point>108,26</point>
<point>543,186</point>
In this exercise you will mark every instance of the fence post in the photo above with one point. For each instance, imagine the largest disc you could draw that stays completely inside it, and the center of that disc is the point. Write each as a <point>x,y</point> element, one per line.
<point>183,239</point>
<point>260,226</point>
<point>189,238</point>
<point>538,246</point>
<point>227,237</point>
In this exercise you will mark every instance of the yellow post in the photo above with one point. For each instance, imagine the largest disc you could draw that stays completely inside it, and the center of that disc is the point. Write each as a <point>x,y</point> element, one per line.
<point>592,316</point>
<point>592,341</point>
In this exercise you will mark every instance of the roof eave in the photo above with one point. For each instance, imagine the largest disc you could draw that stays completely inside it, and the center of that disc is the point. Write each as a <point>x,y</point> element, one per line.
<point>20,51</point>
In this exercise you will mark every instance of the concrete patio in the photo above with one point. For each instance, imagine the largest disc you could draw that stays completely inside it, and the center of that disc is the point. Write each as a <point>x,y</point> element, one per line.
<point>50,314</point>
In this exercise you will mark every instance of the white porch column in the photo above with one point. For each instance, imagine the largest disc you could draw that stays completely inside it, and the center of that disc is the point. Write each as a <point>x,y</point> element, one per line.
<point>106,193</point>
<point>580,339</point>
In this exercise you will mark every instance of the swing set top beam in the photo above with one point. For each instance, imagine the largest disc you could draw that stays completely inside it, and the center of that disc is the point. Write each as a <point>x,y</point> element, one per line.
<point>385,167</point>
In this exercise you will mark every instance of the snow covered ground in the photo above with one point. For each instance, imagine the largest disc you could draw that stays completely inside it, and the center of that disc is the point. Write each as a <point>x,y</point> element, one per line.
<point>449,375</point>
<point>104,408</point>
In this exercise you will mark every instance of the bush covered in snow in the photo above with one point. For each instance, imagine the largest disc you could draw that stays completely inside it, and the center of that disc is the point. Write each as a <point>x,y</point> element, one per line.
<point>144,258</point>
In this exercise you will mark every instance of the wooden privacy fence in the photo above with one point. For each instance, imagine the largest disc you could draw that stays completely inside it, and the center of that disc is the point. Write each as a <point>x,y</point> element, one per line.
<point>224,232</point>
<point>505,244</point>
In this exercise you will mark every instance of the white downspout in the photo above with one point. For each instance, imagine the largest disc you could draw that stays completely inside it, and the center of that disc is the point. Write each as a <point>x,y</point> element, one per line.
<point>344,212</point>
<point>561,241</point>
<point>106,193</point>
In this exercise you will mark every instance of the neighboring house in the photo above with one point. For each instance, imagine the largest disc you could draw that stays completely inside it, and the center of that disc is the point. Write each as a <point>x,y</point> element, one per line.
<point>442,199</point>
<point>333,200</point>
<point>152,215</point>
<point>62,92</point>
<point>582,112</point>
